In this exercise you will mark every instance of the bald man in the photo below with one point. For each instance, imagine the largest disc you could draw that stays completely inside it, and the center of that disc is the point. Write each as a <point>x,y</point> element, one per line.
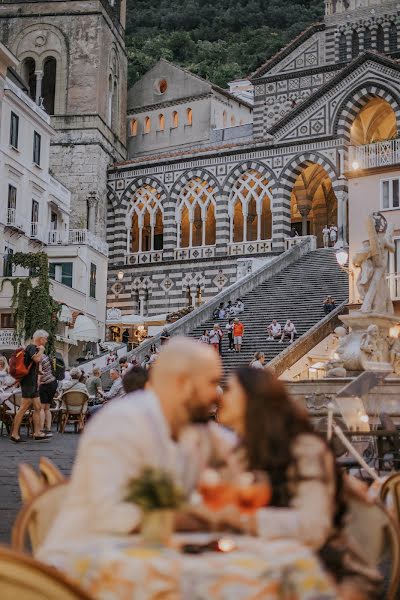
<point>142,429</point>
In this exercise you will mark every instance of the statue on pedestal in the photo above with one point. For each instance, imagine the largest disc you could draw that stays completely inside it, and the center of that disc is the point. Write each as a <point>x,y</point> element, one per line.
<point>372,260</point>
<point>368,346</point>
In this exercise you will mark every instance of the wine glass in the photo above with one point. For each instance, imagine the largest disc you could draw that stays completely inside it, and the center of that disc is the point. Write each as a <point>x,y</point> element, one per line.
<point>252,491</point>
<point>216,490</point>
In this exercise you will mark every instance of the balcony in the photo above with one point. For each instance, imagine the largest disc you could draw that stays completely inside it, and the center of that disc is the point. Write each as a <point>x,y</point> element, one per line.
<point>34,230</point>
<point>244,248</point>
<point>77,237</point>
<point>143,258</point>
<point>378,154</point>
<point>13,219</point>
<point>8,338</point>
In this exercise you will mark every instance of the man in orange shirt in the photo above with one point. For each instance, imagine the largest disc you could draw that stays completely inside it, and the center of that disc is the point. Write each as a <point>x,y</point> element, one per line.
<point>238,332</point>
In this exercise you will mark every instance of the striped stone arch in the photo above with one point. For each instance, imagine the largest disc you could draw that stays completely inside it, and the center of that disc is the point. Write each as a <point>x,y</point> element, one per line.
<point>282,217</point>
<point>202,174</point>
<point>142,182</point>
<point>347,111</point>
<point>241,168</point>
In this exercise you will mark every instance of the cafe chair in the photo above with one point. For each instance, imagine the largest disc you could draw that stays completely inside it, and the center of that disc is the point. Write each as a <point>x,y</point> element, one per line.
<point>74,407</point>
<point>30,483</point>
<point>391,490</point>
<point>36,517</point>
<point>24,578</point>
<point>51,474</point>
<point>376,537</point>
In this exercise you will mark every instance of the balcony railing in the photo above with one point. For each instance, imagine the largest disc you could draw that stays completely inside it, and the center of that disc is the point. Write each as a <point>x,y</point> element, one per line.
<point>195,252</point>
<point>8,338</point>
<point>243,248</point>
<point>34,229</point>
<point>378,154</point>
<point>77,236</point>
<point>11,215</point>
<point>143,258</point>
<point>394,285</point>
<point>293,241</point>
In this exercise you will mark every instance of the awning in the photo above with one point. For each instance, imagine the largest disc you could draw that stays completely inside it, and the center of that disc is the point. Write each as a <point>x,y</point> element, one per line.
<point>85,330</point>
<point>65,314</point>
<point>66,340</point>
<point>137,320</point>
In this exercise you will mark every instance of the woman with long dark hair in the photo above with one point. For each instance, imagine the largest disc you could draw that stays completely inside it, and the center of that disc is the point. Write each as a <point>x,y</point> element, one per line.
<point>278,439</point>
<point>308,492</point>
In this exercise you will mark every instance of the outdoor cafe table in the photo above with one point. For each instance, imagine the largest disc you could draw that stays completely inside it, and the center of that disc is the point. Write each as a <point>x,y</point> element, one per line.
<point>122,568</point>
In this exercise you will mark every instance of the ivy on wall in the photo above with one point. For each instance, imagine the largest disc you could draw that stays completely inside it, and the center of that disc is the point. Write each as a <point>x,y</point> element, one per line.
<point>34,307</point>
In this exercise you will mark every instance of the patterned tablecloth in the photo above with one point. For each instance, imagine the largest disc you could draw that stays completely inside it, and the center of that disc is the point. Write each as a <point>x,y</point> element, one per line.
<point>124,569</point>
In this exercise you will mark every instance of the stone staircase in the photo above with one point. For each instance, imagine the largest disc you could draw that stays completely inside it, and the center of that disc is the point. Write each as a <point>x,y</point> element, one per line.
<point>295,293</point>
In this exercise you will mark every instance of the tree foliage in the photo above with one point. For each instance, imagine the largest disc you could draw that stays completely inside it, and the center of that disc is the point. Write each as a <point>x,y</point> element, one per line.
<point>219,41</point>
<point>34,307</point>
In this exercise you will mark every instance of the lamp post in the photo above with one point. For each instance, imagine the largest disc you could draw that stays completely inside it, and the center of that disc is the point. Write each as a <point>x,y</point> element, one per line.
<point>342,257</point>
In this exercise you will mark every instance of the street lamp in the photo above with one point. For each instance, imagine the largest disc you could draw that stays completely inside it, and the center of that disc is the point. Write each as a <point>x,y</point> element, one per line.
<point>342,256</point>
<point>120,275</point>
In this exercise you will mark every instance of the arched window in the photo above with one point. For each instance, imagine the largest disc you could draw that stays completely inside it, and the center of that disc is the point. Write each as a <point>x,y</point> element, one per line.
<point>342,48</point>
<point>233,121</point>
<point>28,74</point>
<point>189,116</point>
<point>355,44</point>
<point>380,39</point>
<point>175,119</point>
<point>133,128</point>
<point>114,107</point>
<point>195,214</point>
<point>109,105</point>
<point>147,125</point>
<point>224,121</point>
<point>146,232</point>
<point>393,38</point>
<point>250,208</point>
<point>113,114</point>
<point>367,39</point>
<point>161,122</point>
<point>49,84</point>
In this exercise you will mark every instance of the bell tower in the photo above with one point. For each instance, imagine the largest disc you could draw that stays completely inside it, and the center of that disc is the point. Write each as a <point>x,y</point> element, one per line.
<point>73,60</point>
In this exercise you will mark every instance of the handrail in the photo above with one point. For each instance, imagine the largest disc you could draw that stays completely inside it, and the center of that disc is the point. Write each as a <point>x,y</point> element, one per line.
<point>313,336</point>
<point>238,289</point>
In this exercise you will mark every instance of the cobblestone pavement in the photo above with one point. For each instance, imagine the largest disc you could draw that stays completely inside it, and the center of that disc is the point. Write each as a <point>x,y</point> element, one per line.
<point>61,449</point>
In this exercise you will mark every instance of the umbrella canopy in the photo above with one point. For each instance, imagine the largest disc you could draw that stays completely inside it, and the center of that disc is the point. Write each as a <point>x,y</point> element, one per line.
<point>85,330</point>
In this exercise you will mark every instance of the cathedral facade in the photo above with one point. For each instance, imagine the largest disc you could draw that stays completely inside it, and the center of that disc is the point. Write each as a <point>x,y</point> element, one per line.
<point>184,223</point>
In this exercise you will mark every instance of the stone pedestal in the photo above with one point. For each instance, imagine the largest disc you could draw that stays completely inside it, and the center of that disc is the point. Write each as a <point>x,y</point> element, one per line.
<point>367,346</point>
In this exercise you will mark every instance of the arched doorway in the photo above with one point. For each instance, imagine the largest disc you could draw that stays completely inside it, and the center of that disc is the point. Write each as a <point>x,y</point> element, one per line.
<point>313,202</point>
<point>375,122</point>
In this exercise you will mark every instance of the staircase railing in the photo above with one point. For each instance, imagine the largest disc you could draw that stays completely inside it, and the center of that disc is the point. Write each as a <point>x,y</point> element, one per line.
<point>305,343</point>
<point>236,290</point>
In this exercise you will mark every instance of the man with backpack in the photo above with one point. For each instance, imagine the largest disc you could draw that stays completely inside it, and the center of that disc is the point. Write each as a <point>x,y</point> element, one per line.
<point>24,367</point>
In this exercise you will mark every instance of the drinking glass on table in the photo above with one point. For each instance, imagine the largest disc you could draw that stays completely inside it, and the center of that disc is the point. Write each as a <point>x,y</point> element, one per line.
<point>216,490</point>
<point>252,491</point>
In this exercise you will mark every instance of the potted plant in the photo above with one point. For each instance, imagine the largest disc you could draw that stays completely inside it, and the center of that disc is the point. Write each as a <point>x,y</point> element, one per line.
<point>155,492</point>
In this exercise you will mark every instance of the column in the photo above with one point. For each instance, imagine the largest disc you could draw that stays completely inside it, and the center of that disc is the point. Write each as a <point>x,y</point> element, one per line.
<point>152,238</point>
<point>259,217</point>
<point>39,79</point>
<point>341,197</point>
<point>140,227</point>
<point>193,296</point>
<point>92,202</point>
<point>142,296</point>
<point>244,211</point>
<point>223,225</point>
<point>190,231</point>
<point>203,231</point>
<point>171,230</point>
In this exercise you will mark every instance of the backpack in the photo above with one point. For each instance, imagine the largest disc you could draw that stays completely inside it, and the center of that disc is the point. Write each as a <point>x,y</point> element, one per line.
<point>17,368</point>
<point>58,367</point>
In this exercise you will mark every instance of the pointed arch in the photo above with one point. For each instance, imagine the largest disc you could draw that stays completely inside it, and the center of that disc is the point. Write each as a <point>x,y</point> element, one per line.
<point>195,213</point>
<point>348,109</point>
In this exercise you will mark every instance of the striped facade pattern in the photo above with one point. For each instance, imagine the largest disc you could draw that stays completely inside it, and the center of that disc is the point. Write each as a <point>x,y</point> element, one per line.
<point>356,100</point>
<point>172,283</point>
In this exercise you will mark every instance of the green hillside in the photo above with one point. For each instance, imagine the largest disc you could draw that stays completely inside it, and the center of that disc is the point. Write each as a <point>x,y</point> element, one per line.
<point>219,40</point>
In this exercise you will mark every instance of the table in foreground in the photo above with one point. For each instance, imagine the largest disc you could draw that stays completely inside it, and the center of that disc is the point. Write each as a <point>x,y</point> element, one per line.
<point>113,568</point>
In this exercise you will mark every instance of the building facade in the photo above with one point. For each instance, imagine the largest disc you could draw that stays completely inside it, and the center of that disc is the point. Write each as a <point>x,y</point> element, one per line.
<point>35,216</point>
<point>72,58</point>
<point>181,223</point>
